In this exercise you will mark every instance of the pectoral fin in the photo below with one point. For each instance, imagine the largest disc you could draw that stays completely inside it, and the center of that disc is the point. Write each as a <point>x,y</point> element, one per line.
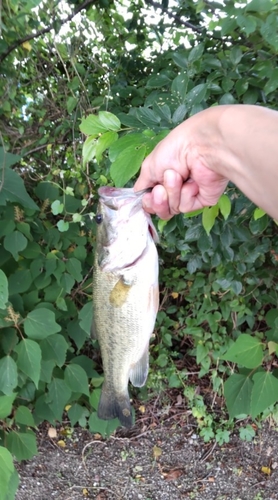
<point>93,331</point>
<point>138,373</point>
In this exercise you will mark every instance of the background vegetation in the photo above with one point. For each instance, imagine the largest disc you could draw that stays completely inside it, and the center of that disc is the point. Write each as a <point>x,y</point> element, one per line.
<point>86,91</point>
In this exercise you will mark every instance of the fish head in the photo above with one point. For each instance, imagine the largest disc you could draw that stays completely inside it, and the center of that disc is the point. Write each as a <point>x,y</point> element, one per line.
<point>123,228</point>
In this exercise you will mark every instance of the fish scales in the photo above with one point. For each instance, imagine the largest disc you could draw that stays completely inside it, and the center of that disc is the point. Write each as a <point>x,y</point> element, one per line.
<point>125,297</point>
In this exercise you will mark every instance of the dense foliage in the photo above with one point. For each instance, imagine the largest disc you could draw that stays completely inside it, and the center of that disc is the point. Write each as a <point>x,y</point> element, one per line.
<point>86,91</point>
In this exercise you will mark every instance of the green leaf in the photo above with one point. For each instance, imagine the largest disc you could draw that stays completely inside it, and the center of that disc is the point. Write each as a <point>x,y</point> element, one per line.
<point>6,404</point>
<point>127,164</point>
<point>13,486</point>
<point>162,360</point>
<point>272,83</point>
<point>224,205</point>
<point>246,351</point>
<point>61,304</point>
<point>40,323</point>
<point>63,226</point>
<point>76,413</point>
<point>207,434</point>
<point>74,268</point>
<point>103,427</point>
<point>58,396</point>
<point>179,86</point>
<point>104,142</point>
<point>247,23</point>
<point>94,398</point>
<point>258,213</point>
<point>29,359</point>
<point>179,114</point>
<point>180,59</point>
<point>89,149</point>
<point>42,411</point>
<point>71,104</point>
<point>148,117</point>
<point>46,370</point>
<point>259,6</point>
<point>77,379</point>
<point>22,445</point>
<point>14,243</point>
<point>57,207</point>
<point>247,433</point>
<point>9,339</point>
<point>13,190</point>
<point>208,217</point>
<point>54,348</point>
<point>85,317</point>
<point>236,286</point>
<point>197,94</point>
<point>24,416</point>
<point>8,375</point>
<point>202,352</point>
<point>235,55</point>
<point>264,393</point>
<point>6,470</point>
<point>4,291</point>
<point>134,140</point>
<point>268,28</point>
<point>45,190</point>
<point>227,98</point>
<point>92,126</point>
<point>158,81</point>
<point>20,281</point>
<point>67,282</point>
<point>196,53</point>
<point>25,229</point>
<point>237,391</point>
<point>109,121</point>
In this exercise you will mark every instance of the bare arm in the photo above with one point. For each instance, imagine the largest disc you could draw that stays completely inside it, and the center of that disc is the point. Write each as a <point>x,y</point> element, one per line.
<point>191,167</point>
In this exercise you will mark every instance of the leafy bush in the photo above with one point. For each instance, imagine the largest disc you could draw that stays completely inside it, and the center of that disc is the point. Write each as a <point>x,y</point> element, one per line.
<point>218,266</point>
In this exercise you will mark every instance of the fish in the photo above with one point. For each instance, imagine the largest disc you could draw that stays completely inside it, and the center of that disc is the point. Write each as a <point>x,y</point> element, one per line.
<point>125,296</point>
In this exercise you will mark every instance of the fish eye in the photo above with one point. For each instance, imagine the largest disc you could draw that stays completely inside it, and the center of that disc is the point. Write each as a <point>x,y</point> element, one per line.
<point>98,218</point>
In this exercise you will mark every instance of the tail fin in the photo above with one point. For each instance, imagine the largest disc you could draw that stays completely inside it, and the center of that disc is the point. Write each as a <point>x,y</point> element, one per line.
<point>115,406</point>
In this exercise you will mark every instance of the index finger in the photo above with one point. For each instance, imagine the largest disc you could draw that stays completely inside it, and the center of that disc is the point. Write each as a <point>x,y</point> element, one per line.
<point>145,179</point>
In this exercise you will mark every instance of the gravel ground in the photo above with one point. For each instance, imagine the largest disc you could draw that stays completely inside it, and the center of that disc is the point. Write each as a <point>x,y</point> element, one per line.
<point>164,463</point>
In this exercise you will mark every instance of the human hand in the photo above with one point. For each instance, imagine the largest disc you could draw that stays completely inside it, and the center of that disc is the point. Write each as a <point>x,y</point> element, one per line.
<point>179,171</point>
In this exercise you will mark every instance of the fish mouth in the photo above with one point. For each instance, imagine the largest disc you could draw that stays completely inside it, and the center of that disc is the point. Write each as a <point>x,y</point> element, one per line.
<point>113,192</point>
<point>114,198</point>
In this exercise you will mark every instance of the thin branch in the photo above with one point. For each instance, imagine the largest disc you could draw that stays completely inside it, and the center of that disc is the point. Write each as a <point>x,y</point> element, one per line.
<point>179,21</point>
<point>44,30</point>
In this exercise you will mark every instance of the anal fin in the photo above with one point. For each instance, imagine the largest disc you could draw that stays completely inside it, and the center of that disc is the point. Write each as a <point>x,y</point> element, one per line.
<point>139,373</point>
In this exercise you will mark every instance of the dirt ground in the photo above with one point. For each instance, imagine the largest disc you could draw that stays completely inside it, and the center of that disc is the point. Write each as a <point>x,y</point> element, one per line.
<point>166,462</point>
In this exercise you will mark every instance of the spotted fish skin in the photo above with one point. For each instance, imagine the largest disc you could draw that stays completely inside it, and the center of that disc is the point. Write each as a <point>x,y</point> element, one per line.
<point>125,297</point>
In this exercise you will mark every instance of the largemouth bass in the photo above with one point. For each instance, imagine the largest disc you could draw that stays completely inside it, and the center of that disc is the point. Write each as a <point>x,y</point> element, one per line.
<point>125,296</point>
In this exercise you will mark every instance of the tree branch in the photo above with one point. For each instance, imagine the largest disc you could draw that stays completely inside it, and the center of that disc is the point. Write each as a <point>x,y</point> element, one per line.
<point>44,30</point>
<point>179,21</point>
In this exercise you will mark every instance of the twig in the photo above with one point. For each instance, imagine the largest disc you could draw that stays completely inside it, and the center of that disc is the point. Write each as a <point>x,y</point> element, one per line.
<point>206,455</point>
<point>43,31</point>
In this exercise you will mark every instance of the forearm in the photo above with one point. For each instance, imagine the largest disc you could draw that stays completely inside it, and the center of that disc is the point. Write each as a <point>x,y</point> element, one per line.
<point>190,168</point>
<point>245,150</point>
